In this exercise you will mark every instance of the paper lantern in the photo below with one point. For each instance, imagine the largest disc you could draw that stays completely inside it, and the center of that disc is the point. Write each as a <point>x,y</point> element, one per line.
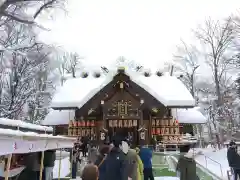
<point>70,123</point>
<point>176,121</point>
<point>79,123</point>
<point>130,123</point>
<point>115,123</point>
<point>162,131</point>
<point>88,124</point>
<point>153,131</point>
<point>110,123</point>
<point>134,123</point>
<point>158,131</point>
<point>120,123</point>
<point>153,122</point>
<point>125,123</point>
<point>83,123</point>
<point>92,123</point>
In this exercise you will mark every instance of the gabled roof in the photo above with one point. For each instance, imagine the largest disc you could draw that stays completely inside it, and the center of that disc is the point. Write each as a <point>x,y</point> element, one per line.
<point>168,90</point>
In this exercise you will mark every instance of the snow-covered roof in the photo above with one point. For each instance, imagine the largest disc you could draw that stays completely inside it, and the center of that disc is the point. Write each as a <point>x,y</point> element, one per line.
<point>190,115</point>
<point>56,117</point>
<point>22,124</point>
<point>15,141</point>
<point>77,91</point>
<point>168,90</point>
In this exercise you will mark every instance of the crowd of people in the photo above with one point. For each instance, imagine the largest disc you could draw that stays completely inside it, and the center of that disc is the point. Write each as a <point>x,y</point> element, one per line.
<point>119,161</point>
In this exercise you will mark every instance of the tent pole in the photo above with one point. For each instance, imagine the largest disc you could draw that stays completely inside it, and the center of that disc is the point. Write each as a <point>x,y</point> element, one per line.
<point>71,163</point>
<point>60,164</point>
<point>41,167</point>
<point>8,166</point>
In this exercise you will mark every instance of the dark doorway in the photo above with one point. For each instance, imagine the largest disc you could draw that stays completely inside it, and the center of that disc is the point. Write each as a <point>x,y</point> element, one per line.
<point>130,133</point>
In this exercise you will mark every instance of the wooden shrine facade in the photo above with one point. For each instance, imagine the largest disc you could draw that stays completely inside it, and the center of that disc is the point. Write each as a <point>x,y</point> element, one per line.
<point>122,107</point>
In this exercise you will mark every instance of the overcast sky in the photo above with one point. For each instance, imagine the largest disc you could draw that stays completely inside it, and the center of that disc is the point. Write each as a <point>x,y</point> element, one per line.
<point>146,31</point>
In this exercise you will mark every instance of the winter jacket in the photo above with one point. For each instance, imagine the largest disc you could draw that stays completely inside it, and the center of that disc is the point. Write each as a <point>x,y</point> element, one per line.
<point>132,165</point>
<point>101,164</point>
<point>49,158</point>
<point>146,157</point>
<point>233,158</point>
<point>140,168</point>
<point>33,161</point>
<point>186,167</point>
<point>116,165</point>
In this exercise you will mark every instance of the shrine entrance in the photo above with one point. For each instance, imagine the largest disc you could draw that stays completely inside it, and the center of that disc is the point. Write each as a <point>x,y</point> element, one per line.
<point>125,128</point>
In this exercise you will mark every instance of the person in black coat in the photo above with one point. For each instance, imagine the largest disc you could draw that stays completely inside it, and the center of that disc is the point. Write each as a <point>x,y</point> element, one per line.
<point>49,162</point>
<point>116,161</point>
<point>234,159</point>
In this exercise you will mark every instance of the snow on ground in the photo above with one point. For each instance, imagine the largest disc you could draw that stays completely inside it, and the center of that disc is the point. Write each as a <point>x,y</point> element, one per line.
<point>65,168</point>
<point>215,162</point>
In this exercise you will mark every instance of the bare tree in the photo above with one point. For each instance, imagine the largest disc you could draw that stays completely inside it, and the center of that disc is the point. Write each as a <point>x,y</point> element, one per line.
<point>187,64</point>
<point>217,39</point>
<point>22,57</point>
<point>71,62</point>
<point>15,9</point>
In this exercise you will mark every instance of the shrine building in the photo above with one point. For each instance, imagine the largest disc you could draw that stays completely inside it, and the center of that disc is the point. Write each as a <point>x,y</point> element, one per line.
<point>134,103</point>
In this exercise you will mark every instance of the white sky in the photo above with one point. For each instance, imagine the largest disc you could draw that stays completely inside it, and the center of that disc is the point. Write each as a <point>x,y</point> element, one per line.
<point>146,31</point>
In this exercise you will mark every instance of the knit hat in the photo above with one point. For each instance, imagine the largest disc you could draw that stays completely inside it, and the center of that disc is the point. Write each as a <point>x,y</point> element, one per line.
<point>184,148</point>
<point>232,143</point>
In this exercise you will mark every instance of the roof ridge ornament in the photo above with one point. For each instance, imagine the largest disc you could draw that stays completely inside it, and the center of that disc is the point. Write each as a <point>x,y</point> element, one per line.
<point>159,73</point>
<point>121,69</point>
<point>97,74</point>
<point>84,74</point>
<point>147,74</point>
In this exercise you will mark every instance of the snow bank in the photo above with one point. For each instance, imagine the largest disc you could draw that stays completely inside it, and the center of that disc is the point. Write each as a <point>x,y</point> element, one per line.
<point>64,170</point>
<point>215,162</point>
<point>22,124</point>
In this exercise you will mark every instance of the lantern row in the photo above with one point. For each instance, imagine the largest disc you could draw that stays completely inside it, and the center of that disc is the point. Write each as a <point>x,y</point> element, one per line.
<point>164,122</point>
<point>165,131</point>
<point>122,123</point>
<point>81,131</point>
<point>82,123</point>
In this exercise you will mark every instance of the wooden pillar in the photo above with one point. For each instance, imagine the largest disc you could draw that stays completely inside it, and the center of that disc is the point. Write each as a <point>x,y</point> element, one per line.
<point>149,128</point>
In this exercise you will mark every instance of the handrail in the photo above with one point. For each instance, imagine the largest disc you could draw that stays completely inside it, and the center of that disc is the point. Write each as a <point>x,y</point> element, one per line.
<point>206,157</point>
